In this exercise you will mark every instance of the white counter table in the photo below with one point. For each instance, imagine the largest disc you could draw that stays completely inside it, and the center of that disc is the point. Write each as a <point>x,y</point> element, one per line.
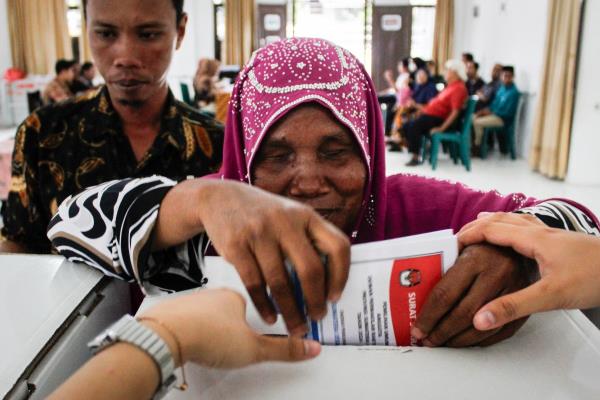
<point>554,356</point>
<point>49,309</point>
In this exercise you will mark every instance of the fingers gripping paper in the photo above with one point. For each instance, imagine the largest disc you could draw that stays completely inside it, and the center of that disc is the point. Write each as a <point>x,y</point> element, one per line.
<point>386,288</point>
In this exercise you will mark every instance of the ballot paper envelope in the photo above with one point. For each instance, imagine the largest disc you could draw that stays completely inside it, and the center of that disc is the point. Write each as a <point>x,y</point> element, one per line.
<point>49,310</point>
<point>387,285</point>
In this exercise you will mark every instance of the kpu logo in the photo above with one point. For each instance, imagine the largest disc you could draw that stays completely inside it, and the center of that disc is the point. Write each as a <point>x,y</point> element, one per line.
<point>410,277</point>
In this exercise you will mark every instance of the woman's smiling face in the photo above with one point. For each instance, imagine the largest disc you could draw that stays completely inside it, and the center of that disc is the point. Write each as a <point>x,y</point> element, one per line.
<point>310,157</point>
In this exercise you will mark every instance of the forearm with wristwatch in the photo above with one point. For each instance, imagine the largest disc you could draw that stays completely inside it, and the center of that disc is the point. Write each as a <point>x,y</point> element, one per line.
<point>133,344</point>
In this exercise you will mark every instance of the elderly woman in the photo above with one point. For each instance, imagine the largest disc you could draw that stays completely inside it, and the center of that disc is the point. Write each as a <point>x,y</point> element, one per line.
<point>303,175</point>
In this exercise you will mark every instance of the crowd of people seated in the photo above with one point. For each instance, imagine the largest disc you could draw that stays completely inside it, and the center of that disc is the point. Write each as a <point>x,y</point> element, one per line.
<point>416,106</point>
<point>71,79</point>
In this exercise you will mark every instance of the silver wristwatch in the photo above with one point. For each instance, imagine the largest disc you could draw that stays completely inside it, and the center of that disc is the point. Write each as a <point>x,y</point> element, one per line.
<point>128,329</point>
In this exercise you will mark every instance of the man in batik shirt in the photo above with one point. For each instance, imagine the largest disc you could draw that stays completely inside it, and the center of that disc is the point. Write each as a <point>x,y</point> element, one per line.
<point>132,127</point>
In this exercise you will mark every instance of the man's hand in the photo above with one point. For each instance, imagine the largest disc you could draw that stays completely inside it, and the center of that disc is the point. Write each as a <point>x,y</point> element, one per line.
<point>437,129</point>
<point>256,231</point>
<point>483,112</point>
<point>481,273</point>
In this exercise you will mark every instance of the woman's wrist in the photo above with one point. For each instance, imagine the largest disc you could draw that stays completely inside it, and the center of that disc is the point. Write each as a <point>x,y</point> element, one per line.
<point>168,336</point>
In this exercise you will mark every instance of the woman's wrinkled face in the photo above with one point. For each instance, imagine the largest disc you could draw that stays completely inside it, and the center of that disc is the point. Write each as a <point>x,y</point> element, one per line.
<point>310,157</point>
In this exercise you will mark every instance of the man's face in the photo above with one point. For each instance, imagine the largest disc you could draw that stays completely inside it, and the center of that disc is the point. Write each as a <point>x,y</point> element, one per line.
<point>132,42</point>
<point>70,74</point>
<point>90,73</point>
<point>496,71</point>
<point>507,77</point>
<point>471,70</point>
<point>450,75</point>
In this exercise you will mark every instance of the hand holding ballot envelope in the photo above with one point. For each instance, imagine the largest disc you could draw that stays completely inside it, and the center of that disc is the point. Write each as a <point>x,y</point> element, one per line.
<point>568,262</point>
<point>256,231</point>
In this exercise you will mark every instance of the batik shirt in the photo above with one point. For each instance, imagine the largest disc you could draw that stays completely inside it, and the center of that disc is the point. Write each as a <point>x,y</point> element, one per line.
<point>64,148</point>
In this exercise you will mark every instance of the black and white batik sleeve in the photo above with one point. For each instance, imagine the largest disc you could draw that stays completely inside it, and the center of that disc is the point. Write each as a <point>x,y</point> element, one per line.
<point>110,226</point>
<point>563,215</point>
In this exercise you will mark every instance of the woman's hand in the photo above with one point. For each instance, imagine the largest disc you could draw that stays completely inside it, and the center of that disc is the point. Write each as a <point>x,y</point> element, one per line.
<point>256,231</point>
<point>211,327</point>
<point>568,262</point>
<point>481,273</point>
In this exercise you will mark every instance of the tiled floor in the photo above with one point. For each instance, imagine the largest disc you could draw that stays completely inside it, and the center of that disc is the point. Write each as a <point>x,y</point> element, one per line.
<point>502,174</point>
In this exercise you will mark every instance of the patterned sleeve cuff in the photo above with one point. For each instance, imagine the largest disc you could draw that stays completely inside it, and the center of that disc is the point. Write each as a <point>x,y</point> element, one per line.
<point>563,215</point>
<point>110,227</point>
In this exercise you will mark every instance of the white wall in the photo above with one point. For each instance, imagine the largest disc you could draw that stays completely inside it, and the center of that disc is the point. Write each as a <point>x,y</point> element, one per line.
<point>198,41</point>
<point>584,163</point>
<point>509,32</point>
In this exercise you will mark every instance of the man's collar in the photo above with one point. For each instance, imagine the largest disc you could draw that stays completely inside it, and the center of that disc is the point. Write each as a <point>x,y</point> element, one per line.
<point>106,118</point>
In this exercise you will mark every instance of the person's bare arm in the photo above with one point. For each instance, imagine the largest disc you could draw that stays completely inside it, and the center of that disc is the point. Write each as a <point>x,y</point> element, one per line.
<point>256,231</point>
<point>212,330</point>
<point>442,128</point>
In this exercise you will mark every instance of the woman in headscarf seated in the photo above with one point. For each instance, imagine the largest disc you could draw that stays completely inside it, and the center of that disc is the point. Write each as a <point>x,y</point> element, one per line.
<point>422,94</point>
<point>303,176</point>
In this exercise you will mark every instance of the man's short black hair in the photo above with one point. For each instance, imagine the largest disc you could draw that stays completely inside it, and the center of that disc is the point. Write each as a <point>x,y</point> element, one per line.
<point>62,65</point>
<point>178,4</point>
<point>87,66</point>
<point>508,68</point>
<point>468,56</point>
<point>476,65</point>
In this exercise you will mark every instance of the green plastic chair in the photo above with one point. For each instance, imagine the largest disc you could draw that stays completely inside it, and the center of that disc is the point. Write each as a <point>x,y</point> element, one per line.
<point>459,141</point>
<point>505,134</point>
<point>185,94</point>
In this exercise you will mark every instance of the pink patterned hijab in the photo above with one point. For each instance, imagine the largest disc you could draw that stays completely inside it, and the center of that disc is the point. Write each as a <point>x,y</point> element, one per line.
<point>291,72</point>
<point>288,73</point>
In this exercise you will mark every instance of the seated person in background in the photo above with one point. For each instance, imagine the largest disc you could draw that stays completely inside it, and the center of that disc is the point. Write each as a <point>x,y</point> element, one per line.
<point>441,112</point>
<point>501,111</point>
<point>433,74</point>
<point>301,178</point>
<point>207,328</point>
<point>58,89</point>
<point>85,79</point>
<point>568,263</point>
<point>403,76</point>
<point>474,82</point>
<point>396,90</point>
<point>204,84</point>
<point>132,127</point>
<point>424,90</point>
<point>488,91</point>
<point>415,65</point>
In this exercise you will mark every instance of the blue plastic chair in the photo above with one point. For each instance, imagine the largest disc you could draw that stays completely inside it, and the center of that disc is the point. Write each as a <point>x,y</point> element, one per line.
<point>505,134</point>
<point>459,141</point>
